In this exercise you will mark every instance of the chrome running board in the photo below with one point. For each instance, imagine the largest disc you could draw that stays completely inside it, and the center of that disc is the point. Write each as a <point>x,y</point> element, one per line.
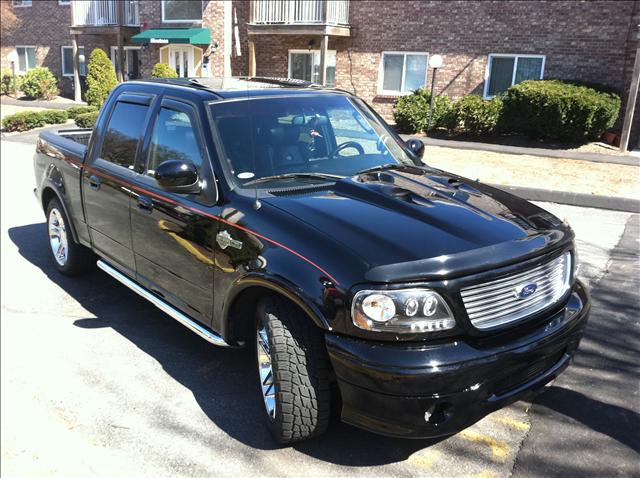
<point>163,306</point>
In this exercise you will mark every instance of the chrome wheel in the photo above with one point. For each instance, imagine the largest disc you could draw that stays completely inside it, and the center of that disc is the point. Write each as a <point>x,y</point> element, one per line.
<point>58,237</point>
<point>265,371</point>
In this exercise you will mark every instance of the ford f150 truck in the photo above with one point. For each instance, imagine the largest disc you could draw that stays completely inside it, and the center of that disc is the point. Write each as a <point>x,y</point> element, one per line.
<point>290,219</point>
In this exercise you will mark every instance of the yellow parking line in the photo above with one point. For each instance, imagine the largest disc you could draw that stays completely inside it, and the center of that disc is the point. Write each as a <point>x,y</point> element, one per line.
<point>424,459</point>
<point>485,474</point>
<point>499,450</point>
<point>514,423</point>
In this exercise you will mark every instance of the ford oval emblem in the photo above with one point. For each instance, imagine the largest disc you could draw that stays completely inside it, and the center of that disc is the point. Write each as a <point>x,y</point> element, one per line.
<point>524,291</point>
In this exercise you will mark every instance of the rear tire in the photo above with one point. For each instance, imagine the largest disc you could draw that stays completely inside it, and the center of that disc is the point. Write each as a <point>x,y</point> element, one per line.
<point>295,384</point>
<point>69,257</point>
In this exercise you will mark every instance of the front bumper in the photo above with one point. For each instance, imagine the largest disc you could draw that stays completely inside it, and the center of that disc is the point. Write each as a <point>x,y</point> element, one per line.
<point>429,390</point>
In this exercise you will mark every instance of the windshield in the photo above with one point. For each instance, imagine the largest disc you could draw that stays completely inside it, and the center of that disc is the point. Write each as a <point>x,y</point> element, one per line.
<point>302,138</point>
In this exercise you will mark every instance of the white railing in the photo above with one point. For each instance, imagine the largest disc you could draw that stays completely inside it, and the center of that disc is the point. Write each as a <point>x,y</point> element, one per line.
<point>104,12</point>
<point>131,13</point>
<point>300,12</point>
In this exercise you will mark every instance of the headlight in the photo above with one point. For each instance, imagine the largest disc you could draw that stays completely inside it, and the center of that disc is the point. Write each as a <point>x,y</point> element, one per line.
<point>401,311</point>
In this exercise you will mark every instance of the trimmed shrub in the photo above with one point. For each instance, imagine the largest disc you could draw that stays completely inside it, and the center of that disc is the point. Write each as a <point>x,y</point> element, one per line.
<point>40,83</point>
<point>477,116</point>
<point>79,110</point>
<point>101,78</point>
<point>87,120</point>
<point>559,110</point>
<point>54,116</point>
<point>23,121</point>
<point>162,70</point>
<point>411,112</point>
<point>26,120</point>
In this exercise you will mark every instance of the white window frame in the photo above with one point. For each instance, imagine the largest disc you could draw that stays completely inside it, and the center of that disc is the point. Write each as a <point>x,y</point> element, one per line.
<point>22,4</point>
<point>384,92</point>
<point>18,70</point>
<point>64,2</point>
<point>299,51</point>
<point>164,20</point>
<point>515,56</point>
<point>70,75</point>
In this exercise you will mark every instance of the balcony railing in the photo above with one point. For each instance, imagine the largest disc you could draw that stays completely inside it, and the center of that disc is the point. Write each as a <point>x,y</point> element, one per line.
<point>300,12</point>
<point>98,13</point>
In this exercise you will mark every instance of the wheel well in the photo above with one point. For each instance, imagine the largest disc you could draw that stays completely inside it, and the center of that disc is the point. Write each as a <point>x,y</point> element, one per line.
<point>47,195</point>
<point>242,312</point>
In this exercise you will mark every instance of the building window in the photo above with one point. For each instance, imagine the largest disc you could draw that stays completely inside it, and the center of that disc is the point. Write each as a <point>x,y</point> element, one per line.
<point>504,71</point>
<point>402,72</point>
<point>64,2</point>
<point>26,58</point>
<point>305,65</point>
<point>181,11</point>
<point>21,3</point>
<point>67,61</point>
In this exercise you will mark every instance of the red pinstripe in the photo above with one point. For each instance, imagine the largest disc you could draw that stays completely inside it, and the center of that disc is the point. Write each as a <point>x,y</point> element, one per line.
<point>212,216</point>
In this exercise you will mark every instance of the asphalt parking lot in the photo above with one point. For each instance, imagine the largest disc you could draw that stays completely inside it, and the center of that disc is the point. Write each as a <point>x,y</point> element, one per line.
<point>97,382</point>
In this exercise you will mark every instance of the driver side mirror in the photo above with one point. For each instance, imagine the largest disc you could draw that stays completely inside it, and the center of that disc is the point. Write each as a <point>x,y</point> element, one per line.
<point>416,146</point>
<point>178,176</point>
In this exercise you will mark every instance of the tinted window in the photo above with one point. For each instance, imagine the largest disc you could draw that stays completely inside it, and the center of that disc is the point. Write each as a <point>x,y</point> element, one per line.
<point>173,138</point>
<point>123,134</point>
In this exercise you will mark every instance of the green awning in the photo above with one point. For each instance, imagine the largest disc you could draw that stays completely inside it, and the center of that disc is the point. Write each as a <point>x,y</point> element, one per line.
<point>193,36</point>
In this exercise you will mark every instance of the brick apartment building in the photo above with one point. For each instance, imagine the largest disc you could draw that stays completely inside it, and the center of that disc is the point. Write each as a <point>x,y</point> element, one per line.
<point>379,49</point>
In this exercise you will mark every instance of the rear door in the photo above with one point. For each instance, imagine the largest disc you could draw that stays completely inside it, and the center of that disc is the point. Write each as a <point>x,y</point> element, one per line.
<point>107,179</point>
<point>173,243</point>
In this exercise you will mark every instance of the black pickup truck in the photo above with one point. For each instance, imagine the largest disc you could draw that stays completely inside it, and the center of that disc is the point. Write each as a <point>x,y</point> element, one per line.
<point>291,219</point>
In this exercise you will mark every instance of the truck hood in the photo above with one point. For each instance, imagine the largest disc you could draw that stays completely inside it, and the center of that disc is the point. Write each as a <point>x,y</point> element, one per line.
<point>414,224</point>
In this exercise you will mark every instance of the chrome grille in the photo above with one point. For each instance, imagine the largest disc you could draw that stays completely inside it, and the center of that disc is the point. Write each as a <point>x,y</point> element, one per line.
<point>502,301</point>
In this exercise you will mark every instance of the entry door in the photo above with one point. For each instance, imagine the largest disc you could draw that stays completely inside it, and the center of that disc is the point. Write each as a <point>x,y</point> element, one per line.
<point>181,59</point>
<point>107,181</point>
<point>131,62</point>
<point>173,244</point>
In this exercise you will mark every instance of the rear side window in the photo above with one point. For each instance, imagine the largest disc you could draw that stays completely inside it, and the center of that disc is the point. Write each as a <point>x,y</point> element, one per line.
<point>174,137</point>
<point>123,134</point>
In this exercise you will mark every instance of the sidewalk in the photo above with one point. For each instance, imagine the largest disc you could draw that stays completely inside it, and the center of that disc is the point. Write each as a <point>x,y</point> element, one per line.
<point>541,152</point>
<point>59,103</point>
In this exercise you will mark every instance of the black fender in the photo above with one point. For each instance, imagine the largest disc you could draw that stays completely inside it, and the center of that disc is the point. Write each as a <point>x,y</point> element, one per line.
<point>276,284</point>
<point>51,184</point>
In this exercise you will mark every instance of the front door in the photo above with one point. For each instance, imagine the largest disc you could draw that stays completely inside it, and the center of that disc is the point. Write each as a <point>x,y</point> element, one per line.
<point>173,244</point>
<point>181,59</point>
<point>106,181</point>
<point>131,61</point>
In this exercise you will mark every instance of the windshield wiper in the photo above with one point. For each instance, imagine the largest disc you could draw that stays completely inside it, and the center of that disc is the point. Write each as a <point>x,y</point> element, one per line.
<point>275,177</point>
<point>382,167</point>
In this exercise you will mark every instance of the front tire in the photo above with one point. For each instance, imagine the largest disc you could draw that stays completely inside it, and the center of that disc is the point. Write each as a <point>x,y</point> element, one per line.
<point>293,371</point>
<point>69,257</point>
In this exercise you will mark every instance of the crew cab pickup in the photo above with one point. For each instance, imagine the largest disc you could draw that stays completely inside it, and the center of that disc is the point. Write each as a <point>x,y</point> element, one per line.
<point>290,219</point>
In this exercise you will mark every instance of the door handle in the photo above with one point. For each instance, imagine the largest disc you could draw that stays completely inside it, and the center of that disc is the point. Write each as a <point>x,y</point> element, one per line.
<point>94,182</point>
<point>145,204</point>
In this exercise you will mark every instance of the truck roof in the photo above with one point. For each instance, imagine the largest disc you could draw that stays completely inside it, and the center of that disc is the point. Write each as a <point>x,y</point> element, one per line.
<point>237,87</point>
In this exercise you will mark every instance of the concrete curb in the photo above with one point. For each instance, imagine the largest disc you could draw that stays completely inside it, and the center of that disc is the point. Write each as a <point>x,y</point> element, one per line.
<point>573,199</point>
<point>547,153</point>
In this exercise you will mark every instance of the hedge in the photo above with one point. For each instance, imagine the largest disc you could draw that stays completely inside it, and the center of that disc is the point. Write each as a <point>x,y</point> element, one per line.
<point>477,116</point>
<point>78,110</point>
<point>26,120</point>
<point>87,120</point>
<point>411,112</point>
<point>101,78</point>
<point>39,83</point>
<point>162,70</point>
<point>559,110</point>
